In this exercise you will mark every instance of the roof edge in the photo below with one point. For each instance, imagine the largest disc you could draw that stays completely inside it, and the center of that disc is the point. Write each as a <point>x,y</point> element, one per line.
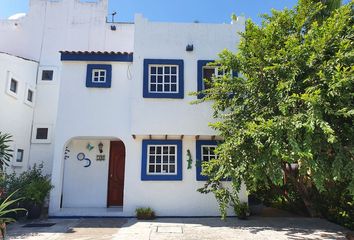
<point>96,56</point>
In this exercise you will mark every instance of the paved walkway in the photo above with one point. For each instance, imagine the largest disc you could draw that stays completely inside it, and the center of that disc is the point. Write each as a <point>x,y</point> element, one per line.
<point>181,229</point>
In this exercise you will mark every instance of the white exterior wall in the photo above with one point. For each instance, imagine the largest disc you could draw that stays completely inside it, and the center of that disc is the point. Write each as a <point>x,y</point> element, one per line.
<point>121,111</point>
<point>15,115</point>
<point>85,186</point>
<point>168,41</point>
<point>89,113</point>
<point>52,26</point>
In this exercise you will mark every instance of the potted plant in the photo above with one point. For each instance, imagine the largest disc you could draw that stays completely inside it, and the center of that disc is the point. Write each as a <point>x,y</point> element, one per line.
<point>145,213</point>
<point>241,210</point>
<point>35,193</point>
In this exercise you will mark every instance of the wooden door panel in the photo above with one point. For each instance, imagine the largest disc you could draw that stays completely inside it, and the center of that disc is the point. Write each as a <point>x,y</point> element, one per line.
<point>116,174</point>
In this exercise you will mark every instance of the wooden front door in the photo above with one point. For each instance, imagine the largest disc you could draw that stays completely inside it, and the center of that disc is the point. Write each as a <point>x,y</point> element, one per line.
<point>116,174</point>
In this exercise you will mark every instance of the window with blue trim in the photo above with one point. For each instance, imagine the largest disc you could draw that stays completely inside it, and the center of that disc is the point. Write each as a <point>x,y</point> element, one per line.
<point>161,160</point>
<point>163,78</point>
<point>99,76</point>
<point>204,153</point>
<point>207,73</point>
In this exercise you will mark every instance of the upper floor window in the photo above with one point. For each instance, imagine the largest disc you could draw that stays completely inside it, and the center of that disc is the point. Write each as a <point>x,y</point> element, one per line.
<point>41,134</point>
<point>162,160</point>
<point>98,76</point>
<point>13,85</point>
<point>206,72</point>
<point>30,95</point>
<point>47,75</point>
<point>163,78</point>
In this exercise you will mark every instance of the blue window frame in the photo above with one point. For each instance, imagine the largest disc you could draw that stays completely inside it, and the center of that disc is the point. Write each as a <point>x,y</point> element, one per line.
<point>204,152</point>
<point>206,72</point>
<point>201,65</point>
<point>161,160</point>
<point>163,78</point>
<point>99,76</point>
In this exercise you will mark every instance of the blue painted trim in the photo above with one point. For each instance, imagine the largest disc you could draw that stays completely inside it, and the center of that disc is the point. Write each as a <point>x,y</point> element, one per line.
<point>96,57</point>
<point>144,160</point>
<point>180,63</point>
<point>198,168</point>
<point>91,84</point>
<point>200,87</point>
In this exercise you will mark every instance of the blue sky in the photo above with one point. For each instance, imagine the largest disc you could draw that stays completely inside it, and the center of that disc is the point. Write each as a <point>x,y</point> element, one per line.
<point>213,11</point>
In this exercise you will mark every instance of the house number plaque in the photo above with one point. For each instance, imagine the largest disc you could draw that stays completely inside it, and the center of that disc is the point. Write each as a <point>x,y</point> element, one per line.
<point>101,157</point>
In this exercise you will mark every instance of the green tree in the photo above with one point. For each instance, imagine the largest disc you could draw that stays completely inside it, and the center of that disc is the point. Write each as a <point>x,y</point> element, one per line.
<point>289,115</point>
<point>5,150</point>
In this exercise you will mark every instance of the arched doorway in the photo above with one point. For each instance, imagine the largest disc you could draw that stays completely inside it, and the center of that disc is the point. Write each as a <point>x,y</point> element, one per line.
<point>93,173</point>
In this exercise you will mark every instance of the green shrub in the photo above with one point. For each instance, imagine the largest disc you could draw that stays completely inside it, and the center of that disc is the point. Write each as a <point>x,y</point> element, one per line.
<point>32,185</point>
<point>145,213</point>
<point>241,210</point>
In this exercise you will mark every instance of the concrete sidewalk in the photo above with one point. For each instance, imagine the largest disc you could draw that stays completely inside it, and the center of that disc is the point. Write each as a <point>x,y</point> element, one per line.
<point>181,229</point>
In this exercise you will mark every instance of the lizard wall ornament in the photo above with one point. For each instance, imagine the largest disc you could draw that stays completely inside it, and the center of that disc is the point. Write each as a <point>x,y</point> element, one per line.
<point>189,159</point>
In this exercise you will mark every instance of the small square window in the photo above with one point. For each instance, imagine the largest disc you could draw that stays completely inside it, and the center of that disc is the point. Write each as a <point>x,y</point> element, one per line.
<point>19,155</point>
<point>13,85</point>
<point>29,95</point>
<point>42,133</point>
<point>47,75</point>
<point>159,160</point>
<point>98,76</point>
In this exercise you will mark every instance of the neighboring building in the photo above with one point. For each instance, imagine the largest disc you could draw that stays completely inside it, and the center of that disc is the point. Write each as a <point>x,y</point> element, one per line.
<point>113,111</point>
<point>17,101</point>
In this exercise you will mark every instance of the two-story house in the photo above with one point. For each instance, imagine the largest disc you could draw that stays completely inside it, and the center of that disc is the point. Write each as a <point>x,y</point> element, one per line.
<point>122,131</point>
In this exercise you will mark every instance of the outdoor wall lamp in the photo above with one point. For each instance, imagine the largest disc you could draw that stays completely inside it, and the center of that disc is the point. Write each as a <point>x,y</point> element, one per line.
<point>100,147</point>
<point>189,48</point>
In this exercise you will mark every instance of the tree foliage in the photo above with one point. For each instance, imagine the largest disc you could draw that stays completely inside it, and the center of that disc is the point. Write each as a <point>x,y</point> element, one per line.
<point>289,114</point>
<point>5,150</point>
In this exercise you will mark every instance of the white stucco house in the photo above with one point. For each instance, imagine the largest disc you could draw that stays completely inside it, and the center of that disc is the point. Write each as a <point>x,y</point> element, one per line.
<point>109,114</point>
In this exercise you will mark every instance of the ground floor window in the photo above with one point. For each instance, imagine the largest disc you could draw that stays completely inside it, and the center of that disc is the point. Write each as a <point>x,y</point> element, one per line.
<point>205,151</point>
<point>161,160</point>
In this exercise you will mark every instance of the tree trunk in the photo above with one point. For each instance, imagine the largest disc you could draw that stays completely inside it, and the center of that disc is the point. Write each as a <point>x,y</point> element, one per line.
<point>305,190</point>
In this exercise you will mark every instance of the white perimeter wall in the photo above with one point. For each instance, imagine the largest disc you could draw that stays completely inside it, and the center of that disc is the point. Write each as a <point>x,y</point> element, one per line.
<point>15,115</point>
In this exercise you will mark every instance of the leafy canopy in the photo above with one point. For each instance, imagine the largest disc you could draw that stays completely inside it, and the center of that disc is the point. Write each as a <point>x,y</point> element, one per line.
<point>293,102</point>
